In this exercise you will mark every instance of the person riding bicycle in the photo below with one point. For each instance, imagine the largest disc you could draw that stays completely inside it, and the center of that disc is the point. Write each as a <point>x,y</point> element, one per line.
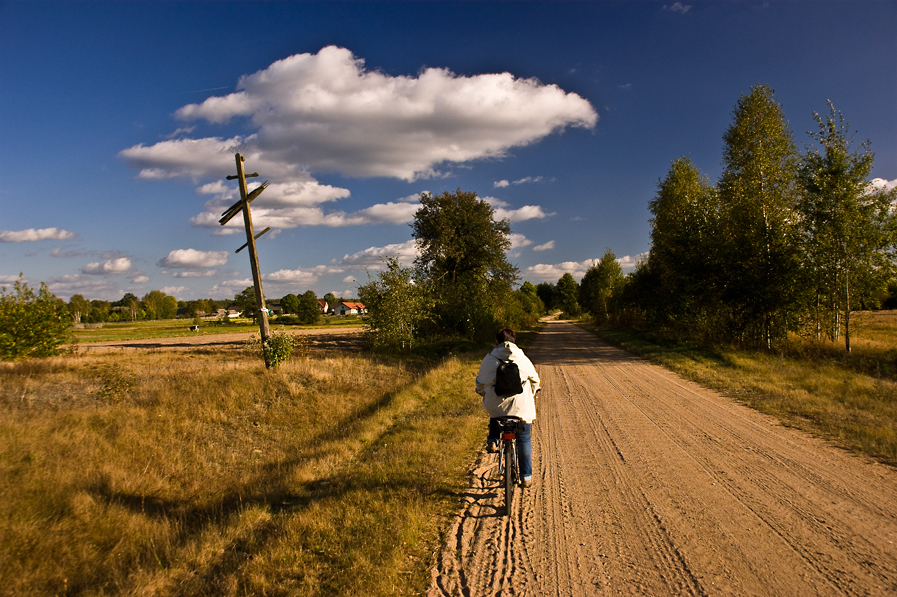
<point>521,405</point>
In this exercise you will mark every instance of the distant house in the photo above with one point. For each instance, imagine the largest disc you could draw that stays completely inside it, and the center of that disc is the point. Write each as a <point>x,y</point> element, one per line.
<point>348,308</point>
<point>323,307</point>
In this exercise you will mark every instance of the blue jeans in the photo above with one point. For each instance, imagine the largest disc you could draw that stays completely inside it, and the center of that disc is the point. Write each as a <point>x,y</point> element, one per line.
<point>524,446</point>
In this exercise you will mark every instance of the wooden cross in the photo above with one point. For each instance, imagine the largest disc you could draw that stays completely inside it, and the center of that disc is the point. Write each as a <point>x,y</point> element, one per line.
<point>243,205</point>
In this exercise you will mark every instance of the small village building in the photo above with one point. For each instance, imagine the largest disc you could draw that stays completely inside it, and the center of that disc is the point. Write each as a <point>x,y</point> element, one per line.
<point>323,307</point>
<point>350,308</point>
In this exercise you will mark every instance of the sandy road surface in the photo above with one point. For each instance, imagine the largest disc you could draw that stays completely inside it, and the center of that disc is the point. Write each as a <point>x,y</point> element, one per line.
<point>646,484</point>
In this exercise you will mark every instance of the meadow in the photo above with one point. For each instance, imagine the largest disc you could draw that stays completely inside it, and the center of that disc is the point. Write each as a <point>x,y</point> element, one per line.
<point>201,473</point>
<point>850,399</point>
<point>179,328</point>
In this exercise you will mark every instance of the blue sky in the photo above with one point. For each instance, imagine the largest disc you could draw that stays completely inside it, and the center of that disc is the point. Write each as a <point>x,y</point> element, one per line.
<point>119,121</point>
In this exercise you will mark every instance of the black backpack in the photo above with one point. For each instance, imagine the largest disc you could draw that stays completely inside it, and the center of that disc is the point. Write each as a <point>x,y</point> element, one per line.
<point>507,379</point>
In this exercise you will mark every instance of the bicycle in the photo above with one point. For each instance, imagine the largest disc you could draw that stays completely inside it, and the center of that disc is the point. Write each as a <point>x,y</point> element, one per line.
<point>508,466</point>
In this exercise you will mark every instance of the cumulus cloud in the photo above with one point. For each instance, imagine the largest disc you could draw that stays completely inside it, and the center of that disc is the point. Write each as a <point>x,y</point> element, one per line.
<point>519,240</point>
<point>32,234</point>
<point>113,266</point>
<point>192,259</point>
<point>500,184</point>
<point>327,112</point>
<point>881,183</point>
<point>544,247</point>
<point>544,272</point>
<point>173,290</point>
<point>372,257</point>
<point>141,279</point>
<point>527,212</point>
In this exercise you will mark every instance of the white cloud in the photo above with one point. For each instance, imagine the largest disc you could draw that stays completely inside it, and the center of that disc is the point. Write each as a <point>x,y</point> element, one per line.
<point>544,272</point>
<point>194,274</point>
<point>678,7</point>
<point>500,184</point>
<point>191,258</point>
<point>32,234</point>
<point>113,266</point>
<point>326,112</point>
<point>348,280</point>
<point>10,280</point>
<point>230,287</point>
<point>519,240</point>
<point>544,247</point>
<point>140,279</point>
<point>881,183</point>
<point>173,290</point>
<point>527,212</point>
<point>528,179</point>
<point>371,257</point>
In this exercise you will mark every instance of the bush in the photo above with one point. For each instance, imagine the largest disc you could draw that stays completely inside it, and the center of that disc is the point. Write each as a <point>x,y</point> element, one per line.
<point>278,348</point>
<point>32,325</point>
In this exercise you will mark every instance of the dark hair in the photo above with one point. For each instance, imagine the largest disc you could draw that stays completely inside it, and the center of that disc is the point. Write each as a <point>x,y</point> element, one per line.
<point>506,335</point>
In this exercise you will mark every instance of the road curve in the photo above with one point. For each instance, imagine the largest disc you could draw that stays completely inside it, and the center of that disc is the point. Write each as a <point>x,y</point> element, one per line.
<point>647,484</point>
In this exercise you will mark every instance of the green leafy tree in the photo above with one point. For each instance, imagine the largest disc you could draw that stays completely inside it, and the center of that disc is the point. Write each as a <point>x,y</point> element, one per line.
<point>331,299</point>
<point>158,305</point>
<point>397,304</point>
<point>758,190</point>
<point>290,303</point>
<point>546,292</point>
<point>598,286</point>
<point>685,251</point>
<point>246,303</point>
<point>130,303</point>
<point>32,324</point>
<point>79,307</point>
<point>462,255</point>
<point>567,295</point>
<point>307,311</point>
<point>847,226</point>
<point>99,311</point>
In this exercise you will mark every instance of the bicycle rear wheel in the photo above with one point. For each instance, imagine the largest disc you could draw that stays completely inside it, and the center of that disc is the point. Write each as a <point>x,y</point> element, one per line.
<point>510,458</point>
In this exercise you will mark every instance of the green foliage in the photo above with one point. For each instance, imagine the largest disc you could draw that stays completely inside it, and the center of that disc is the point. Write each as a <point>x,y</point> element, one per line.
<point>159,305</point>
<point>246,302</point>
<point>290,303</point>
<point>567,295</point>
<point>397,304</point>
<point>277,349</point>
<point>462,255</point>
<point>331,299</point>
<point>307,309</point>
<point>32,325</point>
<point>847,227</point>
<point>79,307</point>
<point>546,293</point>
<point>758,189</point>
<point>599,284</point>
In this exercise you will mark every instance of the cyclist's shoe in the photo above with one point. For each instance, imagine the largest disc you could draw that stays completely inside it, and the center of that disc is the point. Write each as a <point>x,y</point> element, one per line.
<point>492,447</point>
<point>526,483</point>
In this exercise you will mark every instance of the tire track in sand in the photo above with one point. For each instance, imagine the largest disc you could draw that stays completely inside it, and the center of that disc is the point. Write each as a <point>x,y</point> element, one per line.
<point>647,484</point>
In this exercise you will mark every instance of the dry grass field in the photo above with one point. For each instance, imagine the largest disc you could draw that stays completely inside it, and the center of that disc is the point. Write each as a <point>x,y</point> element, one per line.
<point>201,473</point>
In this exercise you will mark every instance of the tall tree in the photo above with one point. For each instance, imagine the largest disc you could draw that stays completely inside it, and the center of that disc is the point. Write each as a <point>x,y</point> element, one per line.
<point>79,308</point>
<point>567,295</point>
<point>245,302</point>
<point>307,310</point>
<point>546,292</point>
<point>290,303</point>
<point>758,189</point>
<point>397,304</point>
<point>462,254</point>
<point>684,249</point>
<point>598,285</point>
<point>847,224</point>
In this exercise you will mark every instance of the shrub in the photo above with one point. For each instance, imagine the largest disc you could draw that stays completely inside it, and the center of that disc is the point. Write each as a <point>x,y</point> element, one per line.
<point>32,325</point>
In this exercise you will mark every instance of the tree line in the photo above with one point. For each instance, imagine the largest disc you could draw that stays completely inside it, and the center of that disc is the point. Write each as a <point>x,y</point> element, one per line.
<point>784,242</point>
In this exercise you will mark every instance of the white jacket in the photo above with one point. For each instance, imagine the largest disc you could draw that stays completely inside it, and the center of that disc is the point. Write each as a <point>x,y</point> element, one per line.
<point>522,405</point>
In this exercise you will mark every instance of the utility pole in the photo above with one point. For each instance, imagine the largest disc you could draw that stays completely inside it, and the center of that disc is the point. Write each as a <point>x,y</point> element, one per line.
<point>243,205</point>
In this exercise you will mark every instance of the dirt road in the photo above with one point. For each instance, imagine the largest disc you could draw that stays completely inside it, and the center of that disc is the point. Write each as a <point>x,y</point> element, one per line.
<point>646,484</point>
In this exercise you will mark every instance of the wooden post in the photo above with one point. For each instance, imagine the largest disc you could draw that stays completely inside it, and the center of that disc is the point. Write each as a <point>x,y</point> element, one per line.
<point>262,313</point>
